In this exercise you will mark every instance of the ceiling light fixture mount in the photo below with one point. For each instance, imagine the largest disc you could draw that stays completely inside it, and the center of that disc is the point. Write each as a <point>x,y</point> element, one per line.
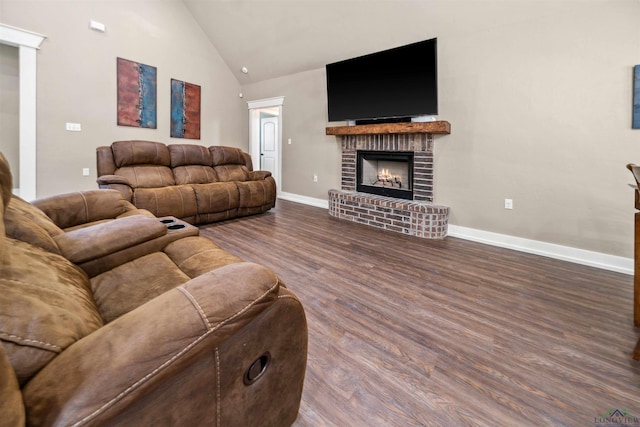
<point>245,70</point>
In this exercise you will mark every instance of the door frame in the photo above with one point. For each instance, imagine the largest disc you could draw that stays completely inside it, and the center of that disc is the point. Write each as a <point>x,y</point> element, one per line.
<point>27,43</point>
<point>254,132</point>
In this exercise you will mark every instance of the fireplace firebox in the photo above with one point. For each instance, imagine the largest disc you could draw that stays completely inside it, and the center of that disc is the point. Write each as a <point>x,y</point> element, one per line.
<point>385,173</point>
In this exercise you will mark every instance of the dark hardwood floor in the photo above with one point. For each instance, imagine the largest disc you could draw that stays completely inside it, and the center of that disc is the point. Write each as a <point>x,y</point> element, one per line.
<point>412,332</point>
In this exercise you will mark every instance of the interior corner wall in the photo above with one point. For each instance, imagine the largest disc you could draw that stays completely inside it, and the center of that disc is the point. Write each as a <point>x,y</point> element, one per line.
<point>304,118</point>
<point>540,111</point>
<point>76,80</point>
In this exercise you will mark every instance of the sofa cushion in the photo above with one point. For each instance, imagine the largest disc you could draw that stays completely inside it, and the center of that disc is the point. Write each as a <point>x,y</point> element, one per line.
<point>130,285</point>
<point>194,174</point>
<point>227,156</point>
<point>229,163</point>
<point>25,222</point>
<point>147,176</point>
<point>228,173</point>
<point>128,153</point>
<point>46,306</point>
<point>177,200</point>
<point>216,197</point>
<point>189,154</point>
<point>198,255</point>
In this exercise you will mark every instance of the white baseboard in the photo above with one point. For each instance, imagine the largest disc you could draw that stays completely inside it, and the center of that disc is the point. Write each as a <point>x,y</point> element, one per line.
<point>551,250</point>
<point>319,203</point>
<point>565,253</point>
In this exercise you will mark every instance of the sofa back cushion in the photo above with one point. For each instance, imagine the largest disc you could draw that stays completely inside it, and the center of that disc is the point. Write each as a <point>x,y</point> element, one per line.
<point>229,163</point>
<point>191,164</point>
<point>222,155</point>
<point>147,176</point>
<point>189,154</point>
<point>84,207</point>
<point>46,306</point>
<point>129,153</point>
<point>25,222</point>
<point>46,300</point>
<point>144,163</point>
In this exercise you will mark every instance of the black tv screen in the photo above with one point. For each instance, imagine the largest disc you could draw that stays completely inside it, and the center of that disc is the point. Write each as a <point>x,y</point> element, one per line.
<point>395,83</point>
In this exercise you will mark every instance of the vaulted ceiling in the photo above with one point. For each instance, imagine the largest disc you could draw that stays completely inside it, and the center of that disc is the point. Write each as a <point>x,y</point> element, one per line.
<point>273,38</point>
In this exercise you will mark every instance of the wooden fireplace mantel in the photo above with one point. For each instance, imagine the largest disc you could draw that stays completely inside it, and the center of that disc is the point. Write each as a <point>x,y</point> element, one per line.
<point>439,127</point>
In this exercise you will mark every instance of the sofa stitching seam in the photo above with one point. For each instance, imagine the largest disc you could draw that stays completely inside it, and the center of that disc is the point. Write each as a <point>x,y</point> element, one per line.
<point>86,207</point>
<point>29,340</point>
<point>218,394</point>
<point>198,307</point>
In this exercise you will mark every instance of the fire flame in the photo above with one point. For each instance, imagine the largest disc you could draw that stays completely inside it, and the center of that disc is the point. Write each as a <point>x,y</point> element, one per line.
<point>385,174</point>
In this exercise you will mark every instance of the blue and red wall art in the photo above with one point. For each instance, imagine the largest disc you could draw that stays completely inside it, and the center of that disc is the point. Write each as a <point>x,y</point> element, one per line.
<point>137,94</point>
<point>185,110</point>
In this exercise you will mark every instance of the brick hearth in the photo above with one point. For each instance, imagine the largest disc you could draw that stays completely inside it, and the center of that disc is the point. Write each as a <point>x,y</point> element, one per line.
<point>403,216</point>
<point>418,217</point>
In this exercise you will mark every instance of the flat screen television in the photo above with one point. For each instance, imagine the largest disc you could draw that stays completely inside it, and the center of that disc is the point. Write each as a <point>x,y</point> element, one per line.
<point>391,85</point>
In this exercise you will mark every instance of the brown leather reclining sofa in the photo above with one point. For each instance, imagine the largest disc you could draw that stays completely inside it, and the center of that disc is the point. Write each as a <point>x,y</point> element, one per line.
<point>167,330</point>
<point>191,182</point>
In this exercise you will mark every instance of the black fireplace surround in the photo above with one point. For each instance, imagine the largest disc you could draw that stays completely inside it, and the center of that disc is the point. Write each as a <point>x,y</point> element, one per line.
<point>385,173</point>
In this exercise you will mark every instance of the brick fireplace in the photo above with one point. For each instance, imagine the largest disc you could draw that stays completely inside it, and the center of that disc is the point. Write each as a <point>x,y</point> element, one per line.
<point>415,215</point>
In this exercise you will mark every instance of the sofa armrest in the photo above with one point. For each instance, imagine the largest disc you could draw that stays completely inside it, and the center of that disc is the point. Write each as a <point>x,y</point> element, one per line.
<point>115,182</point>
<point>73,209</point>
<point>159,361</point>
<point>106,180</point>
<point>96,241</point>
<point>259,175</point>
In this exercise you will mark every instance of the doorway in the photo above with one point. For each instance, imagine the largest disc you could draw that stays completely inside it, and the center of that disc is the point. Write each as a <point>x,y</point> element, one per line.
<point>265,136</point>
<point>268,138</point>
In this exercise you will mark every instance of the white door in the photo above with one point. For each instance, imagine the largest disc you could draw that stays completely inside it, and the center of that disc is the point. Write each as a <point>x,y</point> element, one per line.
<point>268,144</point>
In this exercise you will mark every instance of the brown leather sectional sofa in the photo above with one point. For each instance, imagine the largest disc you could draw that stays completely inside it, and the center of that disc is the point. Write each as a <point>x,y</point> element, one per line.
<point>109,316</point>
<point>191,182</point>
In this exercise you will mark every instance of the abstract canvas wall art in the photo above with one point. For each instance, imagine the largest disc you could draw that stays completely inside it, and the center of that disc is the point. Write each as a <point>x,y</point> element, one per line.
<point>137,94</point>
<point>185,110</point>
<point>636,97</point>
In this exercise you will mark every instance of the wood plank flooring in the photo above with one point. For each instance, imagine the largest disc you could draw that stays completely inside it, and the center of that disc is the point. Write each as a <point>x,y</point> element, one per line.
<point>412,332</point>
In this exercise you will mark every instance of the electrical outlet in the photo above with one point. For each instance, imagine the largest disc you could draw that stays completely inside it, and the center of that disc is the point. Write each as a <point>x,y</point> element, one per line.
<point>85,171</point>
<point>508,203</point>
<point>74,127</point>
<point>315,178</point>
